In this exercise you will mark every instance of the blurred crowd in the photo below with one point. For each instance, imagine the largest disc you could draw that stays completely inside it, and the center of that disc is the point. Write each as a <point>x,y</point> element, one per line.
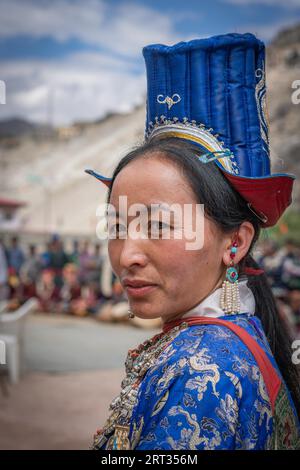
<point>63,282</point>
<point>282,267</point>
<point>71,282</point>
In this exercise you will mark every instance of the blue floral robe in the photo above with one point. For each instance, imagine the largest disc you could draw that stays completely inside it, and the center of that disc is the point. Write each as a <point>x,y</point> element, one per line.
<point>206,392</point>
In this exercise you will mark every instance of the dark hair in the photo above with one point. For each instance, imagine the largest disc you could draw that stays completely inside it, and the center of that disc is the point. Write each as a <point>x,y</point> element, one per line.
<point>224,206</point>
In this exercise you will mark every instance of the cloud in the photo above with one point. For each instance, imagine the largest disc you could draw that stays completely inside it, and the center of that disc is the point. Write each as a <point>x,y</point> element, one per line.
<point>81,87</point>
<point>266,32</point>
<point>108,76</point>
<point>121,28</point>
<point>289,4</point>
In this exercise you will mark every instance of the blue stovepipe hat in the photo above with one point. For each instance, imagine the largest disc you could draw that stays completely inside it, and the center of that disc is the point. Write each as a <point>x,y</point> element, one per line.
<point>212,92</point>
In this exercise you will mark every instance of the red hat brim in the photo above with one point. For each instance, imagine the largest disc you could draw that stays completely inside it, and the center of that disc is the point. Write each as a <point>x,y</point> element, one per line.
<point>267,196</point>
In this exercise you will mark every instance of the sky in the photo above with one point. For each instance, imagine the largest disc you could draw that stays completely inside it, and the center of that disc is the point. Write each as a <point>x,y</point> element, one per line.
<point>64,61</point>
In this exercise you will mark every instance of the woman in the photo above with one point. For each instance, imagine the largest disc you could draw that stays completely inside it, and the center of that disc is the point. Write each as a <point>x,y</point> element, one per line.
<point>219,375</point>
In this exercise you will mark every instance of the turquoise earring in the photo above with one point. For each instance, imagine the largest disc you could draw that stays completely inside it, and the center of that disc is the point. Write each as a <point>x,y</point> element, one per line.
<point>230,297</point>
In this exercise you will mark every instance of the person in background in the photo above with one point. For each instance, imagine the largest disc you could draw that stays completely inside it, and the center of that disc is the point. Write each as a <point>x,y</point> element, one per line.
<point>70,293</point>
<point>29,275</point>
<point>90,301</point>
<point>16,256</point>
<point>47,291</point>
<point>291,265</point>
<point>270,260</point>
<point>3,272</point>
<point>85,262</point>
<point>294,303</point>
<point>74,256</point>
<point>95,266</point>
<point>116,308</point>
<point>13,289</point>
<point>32,266</point>
<point>46,256</point>
<point>26,288</point>
<point>285,311</point>
<point>58,259</point>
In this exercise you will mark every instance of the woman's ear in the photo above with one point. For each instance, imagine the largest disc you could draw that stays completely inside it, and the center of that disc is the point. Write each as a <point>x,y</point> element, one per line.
<point>243,237</point>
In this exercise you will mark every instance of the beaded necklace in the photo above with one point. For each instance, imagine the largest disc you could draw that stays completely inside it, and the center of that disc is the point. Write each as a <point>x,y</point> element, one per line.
<point>116,429</point>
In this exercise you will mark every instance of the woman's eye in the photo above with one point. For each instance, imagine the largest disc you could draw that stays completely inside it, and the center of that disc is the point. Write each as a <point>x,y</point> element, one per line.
<point>117,229</point>
<point>157,225</point>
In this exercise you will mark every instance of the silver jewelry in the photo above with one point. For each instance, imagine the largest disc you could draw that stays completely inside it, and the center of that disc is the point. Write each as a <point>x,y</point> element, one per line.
<point>230,297</point>
<point>130,314</point>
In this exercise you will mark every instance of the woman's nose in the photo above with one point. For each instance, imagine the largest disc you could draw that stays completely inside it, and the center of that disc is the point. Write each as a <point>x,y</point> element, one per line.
<point>132,253</point>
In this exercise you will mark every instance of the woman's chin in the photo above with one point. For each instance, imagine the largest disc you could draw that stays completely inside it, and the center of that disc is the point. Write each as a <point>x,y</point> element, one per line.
<point>147,323</point>
<point>147,310</point>
<point>145,315</point>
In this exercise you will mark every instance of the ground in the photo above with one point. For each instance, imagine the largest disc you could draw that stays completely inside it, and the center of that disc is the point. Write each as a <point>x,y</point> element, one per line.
<point>73,370</point>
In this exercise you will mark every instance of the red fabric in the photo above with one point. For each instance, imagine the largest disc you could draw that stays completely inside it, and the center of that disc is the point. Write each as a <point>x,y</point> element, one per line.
<point>268,196</point>
<point>270,376</point>
<point>253,271</point>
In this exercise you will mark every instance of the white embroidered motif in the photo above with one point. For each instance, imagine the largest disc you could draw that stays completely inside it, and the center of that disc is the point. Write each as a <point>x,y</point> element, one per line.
<point>260,95</point>
<point>170,101</point>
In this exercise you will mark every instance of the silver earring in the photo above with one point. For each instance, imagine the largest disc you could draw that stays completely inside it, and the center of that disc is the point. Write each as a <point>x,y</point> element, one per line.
<point>230,296</point>
<point>130,314</point>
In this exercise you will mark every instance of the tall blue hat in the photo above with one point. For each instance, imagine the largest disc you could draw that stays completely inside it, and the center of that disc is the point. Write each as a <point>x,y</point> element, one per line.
<point>212,92</point>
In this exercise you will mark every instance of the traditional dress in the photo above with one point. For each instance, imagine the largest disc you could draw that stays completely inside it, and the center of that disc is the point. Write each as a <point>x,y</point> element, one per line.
<point>199,387</point>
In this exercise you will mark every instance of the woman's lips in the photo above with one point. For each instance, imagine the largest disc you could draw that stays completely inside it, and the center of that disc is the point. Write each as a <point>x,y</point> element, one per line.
<point>140,291</point>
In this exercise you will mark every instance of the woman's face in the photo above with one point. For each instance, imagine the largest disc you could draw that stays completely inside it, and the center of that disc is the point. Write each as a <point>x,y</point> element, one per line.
<point>180,277</point>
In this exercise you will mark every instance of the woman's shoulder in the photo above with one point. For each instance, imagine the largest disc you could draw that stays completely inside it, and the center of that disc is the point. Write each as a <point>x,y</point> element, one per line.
<point>208,376</point>
<point>212,351</point>
<point>214,344</point>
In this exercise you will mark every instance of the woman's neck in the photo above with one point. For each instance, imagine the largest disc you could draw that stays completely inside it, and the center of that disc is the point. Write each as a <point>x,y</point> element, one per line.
<point>180,315</point>
<point>210,305</point>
